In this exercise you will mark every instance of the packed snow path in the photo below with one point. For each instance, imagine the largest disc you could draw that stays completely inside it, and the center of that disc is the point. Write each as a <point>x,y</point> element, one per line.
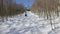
<point>30,24</point>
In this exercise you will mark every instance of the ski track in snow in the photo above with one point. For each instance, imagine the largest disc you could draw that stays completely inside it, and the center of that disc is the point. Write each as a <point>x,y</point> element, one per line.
<point>31,24</point>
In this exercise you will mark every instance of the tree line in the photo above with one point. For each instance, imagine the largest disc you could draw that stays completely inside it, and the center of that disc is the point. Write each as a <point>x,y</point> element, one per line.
<point>10,8</point>
<point>48,8</point>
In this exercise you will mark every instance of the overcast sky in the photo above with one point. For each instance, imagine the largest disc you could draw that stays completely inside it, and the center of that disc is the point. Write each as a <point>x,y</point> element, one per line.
<point>27,3</point>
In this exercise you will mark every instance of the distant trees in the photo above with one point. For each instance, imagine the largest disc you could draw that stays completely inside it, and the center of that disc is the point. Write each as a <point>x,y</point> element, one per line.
<point>10,8</point>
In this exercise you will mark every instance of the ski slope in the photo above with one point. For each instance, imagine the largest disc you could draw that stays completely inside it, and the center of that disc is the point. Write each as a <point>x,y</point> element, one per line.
<point>30,24</point>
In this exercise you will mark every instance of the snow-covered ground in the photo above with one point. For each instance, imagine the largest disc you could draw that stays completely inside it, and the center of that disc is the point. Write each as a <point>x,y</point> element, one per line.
<point>31,24</point>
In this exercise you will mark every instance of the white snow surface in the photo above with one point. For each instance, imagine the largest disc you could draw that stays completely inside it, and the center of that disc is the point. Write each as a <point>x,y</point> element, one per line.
<point>30,24</point>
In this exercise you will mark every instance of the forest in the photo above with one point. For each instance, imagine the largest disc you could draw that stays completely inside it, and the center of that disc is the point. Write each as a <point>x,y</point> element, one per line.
<point>48,9</point>
<point>45,7</point>
<point>10,8</point>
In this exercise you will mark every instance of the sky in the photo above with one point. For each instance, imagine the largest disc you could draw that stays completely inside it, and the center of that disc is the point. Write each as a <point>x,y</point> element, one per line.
<point>26,3</point>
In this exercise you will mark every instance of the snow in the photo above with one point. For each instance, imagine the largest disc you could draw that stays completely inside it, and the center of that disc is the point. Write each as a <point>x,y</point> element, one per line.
<point>55,31</point>
<point>30,24</point>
